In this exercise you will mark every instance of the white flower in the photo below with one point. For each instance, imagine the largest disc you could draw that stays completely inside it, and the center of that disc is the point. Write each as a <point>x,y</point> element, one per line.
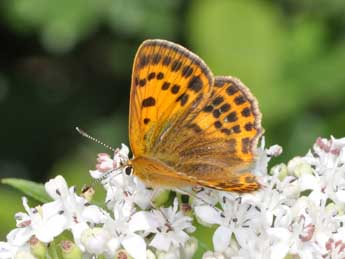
<point>328,178</point>
<point>126,191</point>
<point>213,255</point>
<point>105,165</point>
<point>45,222</point>
<point>170,227</point>
<point>264,156</point>
<point>123,190</point>
<point>307,232</point>
<point>235,218</point>
<point>76,210</point>
<point>7,251</point>
<point>335,246</point>
<point>95,240</point>
<point>122,231</point>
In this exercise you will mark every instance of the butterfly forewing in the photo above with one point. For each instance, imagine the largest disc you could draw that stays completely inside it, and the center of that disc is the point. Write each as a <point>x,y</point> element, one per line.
<point>167,81</point>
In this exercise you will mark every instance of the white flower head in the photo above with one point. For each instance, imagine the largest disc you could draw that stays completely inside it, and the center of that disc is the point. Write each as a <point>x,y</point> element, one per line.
<point>170,228</point>
<point>107,165</point>
<point>235,218</point>
<point>124,190</point>
<point>123,232</point>
<point>45,222</point>
<point>76,210</point>
<point>95,240</point>
<point>264,156</point>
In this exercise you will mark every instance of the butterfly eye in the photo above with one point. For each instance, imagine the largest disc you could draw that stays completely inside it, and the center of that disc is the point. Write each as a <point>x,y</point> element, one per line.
<point>129,170</point>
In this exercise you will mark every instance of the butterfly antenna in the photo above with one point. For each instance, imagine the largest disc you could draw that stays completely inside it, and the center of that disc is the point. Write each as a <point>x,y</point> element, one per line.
<point>84,134</point>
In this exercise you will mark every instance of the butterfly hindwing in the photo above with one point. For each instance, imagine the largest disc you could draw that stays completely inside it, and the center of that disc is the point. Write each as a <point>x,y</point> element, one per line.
<point>217,145</point>
<point>167,81</point>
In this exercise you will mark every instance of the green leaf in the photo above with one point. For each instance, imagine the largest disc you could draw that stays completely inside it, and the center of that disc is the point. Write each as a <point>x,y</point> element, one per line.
<point>204,236</point>
<point>29,188</point>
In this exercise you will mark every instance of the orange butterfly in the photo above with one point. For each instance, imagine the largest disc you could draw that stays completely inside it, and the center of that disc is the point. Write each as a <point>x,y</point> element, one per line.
<point>188,127</point>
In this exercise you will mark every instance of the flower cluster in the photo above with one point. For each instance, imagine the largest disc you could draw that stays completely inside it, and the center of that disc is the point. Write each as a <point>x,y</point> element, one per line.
<point>299,211</point>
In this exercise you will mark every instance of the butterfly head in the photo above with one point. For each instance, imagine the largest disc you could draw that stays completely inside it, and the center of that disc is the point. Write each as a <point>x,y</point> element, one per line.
<point>128,168</point>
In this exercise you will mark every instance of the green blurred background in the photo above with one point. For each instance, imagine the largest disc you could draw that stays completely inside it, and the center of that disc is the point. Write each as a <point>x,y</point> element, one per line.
<point>68,63</point>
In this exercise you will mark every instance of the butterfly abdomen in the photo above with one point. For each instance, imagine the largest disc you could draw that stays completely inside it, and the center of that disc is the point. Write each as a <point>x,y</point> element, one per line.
<point>156,173</point>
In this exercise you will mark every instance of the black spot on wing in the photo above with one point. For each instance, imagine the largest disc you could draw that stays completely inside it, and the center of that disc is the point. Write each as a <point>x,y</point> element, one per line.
<point>166,61</point>
<point>176,65</point>
<point>151,76</point>
<point>160,76</point>
<point>142,82</point>
<point>165,86</point>
<point>187,71</point>
<point>156,58</point>
<point>231,90</point>
<point>150,101</point>
<point>175,89</point>
<point>246,112</point>
<point>240,100</point>
<point>232,117</point>
<point>183,98</point>
<point>195,84</point>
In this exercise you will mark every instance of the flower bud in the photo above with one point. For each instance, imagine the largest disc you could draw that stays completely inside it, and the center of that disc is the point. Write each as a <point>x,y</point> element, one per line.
<point>88,192</point>
<point>213,255</point>
<point>150,254</point>
<point>297,166</point>
<point>282,171</point>
<point>122,254</point>
<point>69,250</point>
<point>190,247</point>
<point>95,240</point>
<point>37,248</point>
<point>168,255</point>
<point>291,256</point>
<point>160,197</point>
<point>24,254</point>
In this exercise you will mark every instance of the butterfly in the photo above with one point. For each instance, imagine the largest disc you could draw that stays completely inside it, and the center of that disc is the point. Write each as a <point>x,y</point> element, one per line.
<point>188,127</point>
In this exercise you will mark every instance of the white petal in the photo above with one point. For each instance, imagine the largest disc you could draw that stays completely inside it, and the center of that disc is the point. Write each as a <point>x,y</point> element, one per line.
<point>306,254</point>
<point>221,238</point>
<point>52,228</point>
<point>112,245</point>
<point>279,233</point>
<point>95,240</point>
<point>94,214</point>
<point>309,182</point>
<point>160,242</point>
<point>135,246</point>
<point>19,236</point>
<point>243,235</point>
<point>279,250</point>
<point>208,214</point>
<point>7,251</point>
<point>24,254</point>
<point>96,174</point>
<point>340,195</point>
<point>141,220</point>
<point>317,197</point>
<point>26,205</point>
<point>77,230</point>
<point>50,209</point>
<point>56,187</point>
<point>124,150</point>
